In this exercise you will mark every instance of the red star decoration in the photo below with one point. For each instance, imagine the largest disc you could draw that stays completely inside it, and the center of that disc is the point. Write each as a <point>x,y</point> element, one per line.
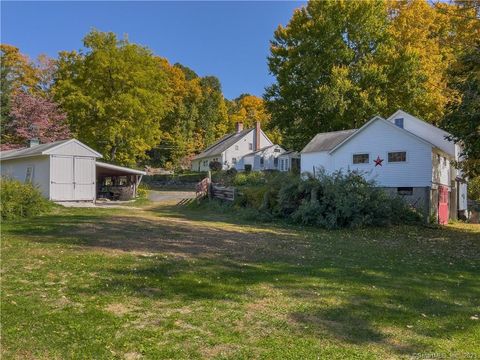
<point>378,161</point>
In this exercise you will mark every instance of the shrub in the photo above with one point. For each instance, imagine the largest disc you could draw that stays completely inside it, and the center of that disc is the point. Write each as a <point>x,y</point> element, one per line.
<point>215,165</point>
<point>331,201</point>
<point>20,200</point>
<point>142,191</point>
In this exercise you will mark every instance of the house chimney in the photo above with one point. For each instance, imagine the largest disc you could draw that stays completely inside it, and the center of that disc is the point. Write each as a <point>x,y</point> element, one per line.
<point>257,135</point>
<point>239,126</point>
<point>33,142</point>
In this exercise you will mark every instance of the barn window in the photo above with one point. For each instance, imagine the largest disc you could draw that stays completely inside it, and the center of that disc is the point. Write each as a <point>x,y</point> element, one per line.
<point>405,191</point>
<point>276,150</point>
<point>397,156</point>
<point>275,162</point>
<point>29,174</point>
<point>361,158</point>
<point>262,161</point>
<point>399,122</point>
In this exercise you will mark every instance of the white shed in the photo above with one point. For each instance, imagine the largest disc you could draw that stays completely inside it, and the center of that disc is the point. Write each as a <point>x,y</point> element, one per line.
<point>63,170</point>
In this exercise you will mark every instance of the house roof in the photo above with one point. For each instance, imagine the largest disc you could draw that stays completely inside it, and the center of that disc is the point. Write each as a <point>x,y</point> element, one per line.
<point>223,144</point>
<point>371,121</point>
<point>116,170</point>
<point>327,141</point>
<point>261,150</point>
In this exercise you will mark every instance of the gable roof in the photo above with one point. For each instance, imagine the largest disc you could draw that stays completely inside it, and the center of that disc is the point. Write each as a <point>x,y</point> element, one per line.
<point>370,122</point>
<point>263,149</point>
<point>42,149</point>
<point>327,141</point>
<point>224,143</point>
<point>400,112</point>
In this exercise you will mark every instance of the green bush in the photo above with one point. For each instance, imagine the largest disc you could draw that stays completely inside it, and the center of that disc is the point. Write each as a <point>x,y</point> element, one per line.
<point>20,200</point>
<point>332,201</point>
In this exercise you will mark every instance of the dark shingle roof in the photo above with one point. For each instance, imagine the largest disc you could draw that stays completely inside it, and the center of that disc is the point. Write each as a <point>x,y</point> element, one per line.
<point>327,141</point>
<point>223,144</point>
<point>30,151</point>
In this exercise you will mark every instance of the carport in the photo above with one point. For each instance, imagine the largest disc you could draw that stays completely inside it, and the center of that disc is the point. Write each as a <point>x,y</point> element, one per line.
<point>117,182</point>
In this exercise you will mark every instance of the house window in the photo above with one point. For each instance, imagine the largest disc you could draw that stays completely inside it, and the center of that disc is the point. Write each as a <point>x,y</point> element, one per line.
<point>276,150</point>
<point>262,161</point>
<point>234,161</point>
<point>399,122</point>
<point>275,162</point>
<point>405,191</point>
<point>397,156</point>
<point>361,158</point>
<point>236,147</point>
<point>29,174</point>
<point>444,161</point>
<point>250,146</point>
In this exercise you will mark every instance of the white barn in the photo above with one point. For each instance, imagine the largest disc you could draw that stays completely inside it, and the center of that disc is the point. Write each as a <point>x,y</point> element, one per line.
<point>403,154</point>
<point>64,170</point>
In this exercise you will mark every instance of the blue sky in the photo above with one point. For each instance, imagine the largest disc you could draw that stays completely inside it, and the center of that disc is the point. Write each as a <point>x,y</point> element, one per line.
<point>227,39</point>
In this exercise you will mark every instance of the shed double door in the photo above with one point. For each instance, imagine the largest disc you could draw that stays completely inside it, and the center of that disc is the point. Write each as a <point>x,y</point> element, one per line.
<point>72,178</point>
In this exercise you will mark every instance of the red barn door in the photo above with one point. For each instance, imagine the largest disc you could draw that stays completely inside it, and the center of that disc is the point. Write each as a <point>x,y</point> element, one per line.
<point>443,205</point>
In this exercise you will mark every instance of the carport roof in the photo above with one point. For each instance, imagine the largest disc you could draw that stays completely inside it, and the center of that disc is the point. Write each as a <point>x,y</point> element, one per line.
<point>115,170</point>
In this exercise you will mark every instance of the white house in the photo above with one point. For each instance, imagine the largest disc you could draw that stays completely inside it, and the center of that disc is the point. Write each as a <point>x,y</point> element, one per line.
<point>403,154</point>
<point>262,159</point>
<point>231,148</point>
<point>65,170</point>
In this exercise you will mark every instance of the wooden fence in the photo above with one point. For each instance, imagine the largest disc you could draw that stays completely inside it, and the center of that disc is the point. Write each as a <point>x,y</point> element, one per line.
<point>206,187</point>
<point>223,192</point>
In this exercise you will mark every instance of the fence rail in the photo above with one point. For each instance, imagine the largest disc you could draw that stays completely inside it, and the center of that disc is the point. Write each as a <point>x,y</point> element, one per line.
<point>223,192</point>
<point>206,187</point>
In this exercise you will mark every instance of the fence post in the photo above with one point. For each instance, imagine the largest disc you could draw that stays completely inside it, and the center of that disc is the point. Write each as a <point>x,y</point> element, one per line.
<point>209,186</point>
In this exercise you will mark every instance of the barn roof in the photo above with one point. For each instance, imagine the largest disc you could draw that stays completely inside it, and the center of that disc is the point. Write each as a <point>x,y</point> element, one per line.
<point>327,141</point>
<point>223,144</point>
<point>42,149</point>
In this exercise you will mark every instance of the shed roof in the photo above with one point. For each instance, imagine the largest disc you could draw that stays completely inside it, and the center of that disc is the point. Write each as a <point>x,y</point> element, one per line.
<point>223,144</point>
<point>42,149</point>
<point>261,150</point>
<point>110,169</point>
<point>327,141</point>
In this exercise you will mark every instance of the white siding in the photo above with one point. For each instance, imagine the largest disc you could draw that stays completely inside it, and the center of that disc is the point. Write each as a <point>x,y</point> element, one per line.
<point>426,131</point>
<point>237,151</point>
<point>310,161</point>
<point>72,148</point>
<point>17,168</point>
<point>377,140</point>
<point>241,148</point>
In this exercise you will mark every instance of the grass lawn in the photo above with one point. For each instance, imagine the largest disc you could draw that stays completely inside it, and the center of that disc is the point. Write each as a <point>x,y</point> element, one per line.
<point>184,283</point>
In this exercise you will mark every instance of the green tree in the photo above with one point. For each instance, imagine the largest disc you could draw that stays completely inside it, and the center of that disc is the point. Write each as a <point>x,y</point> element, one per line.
<point>339,63</point>
<point>115,94</point>
<point>463,118</point>
<point>324,63</point>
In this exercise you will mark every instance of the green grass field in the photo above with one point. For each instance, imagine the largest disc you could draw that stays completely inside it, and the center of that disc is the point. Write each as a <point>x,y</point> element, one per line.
<point>183,284</point>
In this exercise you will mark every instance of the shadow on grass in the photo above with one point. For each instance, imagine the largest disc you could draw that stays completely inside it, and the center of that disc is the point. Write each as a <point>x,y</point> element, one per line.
<point>349,284</point>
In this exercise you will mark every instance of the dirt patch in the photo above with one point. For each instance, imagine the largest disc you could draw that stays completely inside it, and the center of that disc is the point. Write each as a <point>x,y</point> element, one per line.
<point>120,309</point>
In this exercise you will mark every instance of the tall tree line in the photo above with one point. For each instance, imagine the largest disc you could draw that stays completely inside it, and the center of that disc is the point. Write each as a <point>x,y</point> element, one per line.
<point>119,98</point>
<point>339,63</point>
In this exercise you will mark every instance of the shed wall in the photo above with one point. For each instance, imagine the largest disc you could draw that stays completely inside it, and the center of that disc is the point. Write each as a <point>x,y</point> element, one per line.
<point>17,169</point>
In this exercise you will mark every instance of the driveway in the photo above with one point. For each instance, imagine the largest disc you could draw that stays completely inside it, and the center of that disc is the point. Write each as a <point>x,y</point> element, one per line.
<point>170,196</point>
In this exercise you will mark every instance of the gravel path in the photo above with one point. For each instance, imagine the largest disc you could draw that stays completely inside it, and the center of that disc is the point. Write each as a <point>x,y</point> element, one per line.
<point>170,196</point>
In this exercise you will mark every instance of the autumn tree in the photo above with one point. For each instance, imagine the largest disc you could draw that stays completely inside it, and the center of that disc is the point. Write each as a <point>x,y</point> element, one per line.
<point>339,63</point>
<point>249,109</point>
<point>33,116</point>
<point>115,94</point>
